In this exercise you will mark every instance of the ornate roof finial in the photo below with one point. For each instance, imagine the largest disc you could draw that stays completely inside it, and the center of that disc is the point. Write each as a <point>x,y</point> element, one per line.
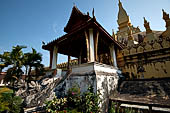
<point>130,37</point>
<point>93,14</point>
<point>145,21</point>
<point>120,4</point>
<point>119,1</point>
<point>166,18</point>
<point>88,13</point>
<point>74,4</point>
<point>114,35</point>
<point>147,26</point>
<point>165,15</point>
<point>167,21</point>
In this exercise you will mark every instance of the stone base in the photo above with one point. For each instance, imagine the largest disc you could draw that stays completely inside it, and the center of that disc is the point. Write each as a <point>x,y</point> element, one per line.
<point>102,77</point>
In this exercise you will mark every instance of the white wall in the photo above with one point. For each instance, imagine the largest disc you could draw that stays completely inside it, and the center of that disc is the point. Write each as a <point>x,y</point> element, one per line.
<point>82,81</point>
<point>103,78</point>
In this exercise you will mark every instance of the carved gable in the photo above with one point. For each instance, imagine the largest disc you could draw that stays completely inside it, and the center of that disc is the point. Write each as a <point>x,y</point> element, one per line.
<point>77,18</point>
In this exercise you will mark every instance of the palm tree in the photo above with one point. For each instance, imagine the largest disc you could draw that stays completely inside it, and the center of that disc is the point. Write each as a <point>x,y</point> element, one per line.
<point>33,61</point>
<point>13,61</point>
<point>16,59</point>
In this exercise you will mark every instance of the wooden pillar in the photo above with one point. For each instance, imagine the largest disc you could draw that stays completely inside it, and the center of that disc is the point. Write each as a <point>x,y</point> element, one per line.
<point>51,58</point>
<point>87,46</point>
<point>91,45</point>
<point>113,55</point>
<point>68,63</point>
<point>150,109</point>
<point>96,45</point>
<point>54,59</point>
<point>79,59</point>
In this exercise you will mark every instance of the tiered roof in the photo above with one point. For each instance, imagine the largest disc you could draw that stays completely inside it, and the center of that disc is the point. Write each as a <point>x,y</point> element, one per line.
<point>75,28</point>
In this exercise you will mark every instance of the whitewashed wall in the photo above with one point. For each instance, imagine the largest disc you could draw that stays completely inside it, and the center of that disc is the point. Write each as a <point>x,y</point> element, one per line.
<point>83,76</point>
<point>82,81</point>
<point>103,78</point>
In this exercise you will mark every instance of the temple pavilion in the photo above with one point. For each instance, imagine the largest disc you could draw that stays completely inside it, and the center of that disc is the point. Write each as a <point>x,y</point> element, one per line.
<point>85,39</point>
<point>95,50</point>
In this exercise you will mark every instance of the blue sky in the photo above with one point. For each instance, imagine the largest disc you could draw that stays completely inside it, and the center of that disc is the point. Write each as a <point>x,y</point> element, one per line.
<point>29,22</point>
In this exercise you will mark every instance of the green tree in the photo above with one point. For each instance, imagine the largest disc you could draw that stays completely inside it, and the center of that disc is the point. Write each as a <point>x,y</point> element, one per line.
<point>10,103</point>
<point>90,101</point>
<point>33,61</point>
<point>16,59</point>
<point>13,61</point>
<point>4,105</point>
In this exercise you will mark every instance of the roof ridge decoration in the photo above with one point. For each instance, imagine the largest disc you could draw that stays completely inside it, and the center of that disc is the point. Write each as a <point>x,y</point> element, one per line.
<point>166,18</point>
<point>150,36</point>
<point>130,37</point>
<point>165,15</point>
<point>167,21</point>
<point>147,26</point>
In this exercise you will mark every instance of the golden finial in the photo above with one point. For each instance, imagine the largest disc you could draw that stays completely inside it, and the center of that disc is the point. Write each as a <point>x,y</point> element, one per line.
<point>130,37</point>
<point>145,21</point>
<point>165,15</point>
<point>119,1</point>
<point>74,4</point>
<point>147,26</point>
<point>113,33</point>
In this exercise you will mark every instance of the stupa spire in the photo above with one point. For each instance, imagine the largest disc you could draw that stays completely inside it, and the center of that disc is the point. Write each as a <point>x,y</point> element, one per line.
<point>122,15</point>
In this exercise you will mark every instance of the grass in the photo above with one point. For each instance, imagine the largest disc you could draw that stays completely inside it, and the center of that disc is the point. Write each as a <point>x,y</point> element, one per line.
<point>5,90</point>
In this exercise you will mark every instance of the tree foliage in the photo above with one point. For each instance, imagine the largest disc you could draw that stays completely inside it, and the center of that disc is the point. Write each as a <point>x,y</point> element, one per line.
<point>15,61</point>
<point>10,103</point>
<point>33,61</point>
<point>88,102</point>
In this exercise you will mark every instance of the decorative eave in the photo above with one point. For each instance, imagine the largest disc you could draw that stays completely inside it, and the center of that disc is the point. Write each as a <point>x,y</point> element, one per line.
<point>64,37</point>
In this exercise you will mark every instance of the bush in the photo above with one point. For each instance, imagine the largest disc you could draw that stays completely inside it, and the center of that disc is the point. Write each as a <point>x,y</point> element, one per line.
<point>56,105</point>
<point>117,109</point>
<point>88,102</point>
<point>73,97</point>
<point>10,103</point>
